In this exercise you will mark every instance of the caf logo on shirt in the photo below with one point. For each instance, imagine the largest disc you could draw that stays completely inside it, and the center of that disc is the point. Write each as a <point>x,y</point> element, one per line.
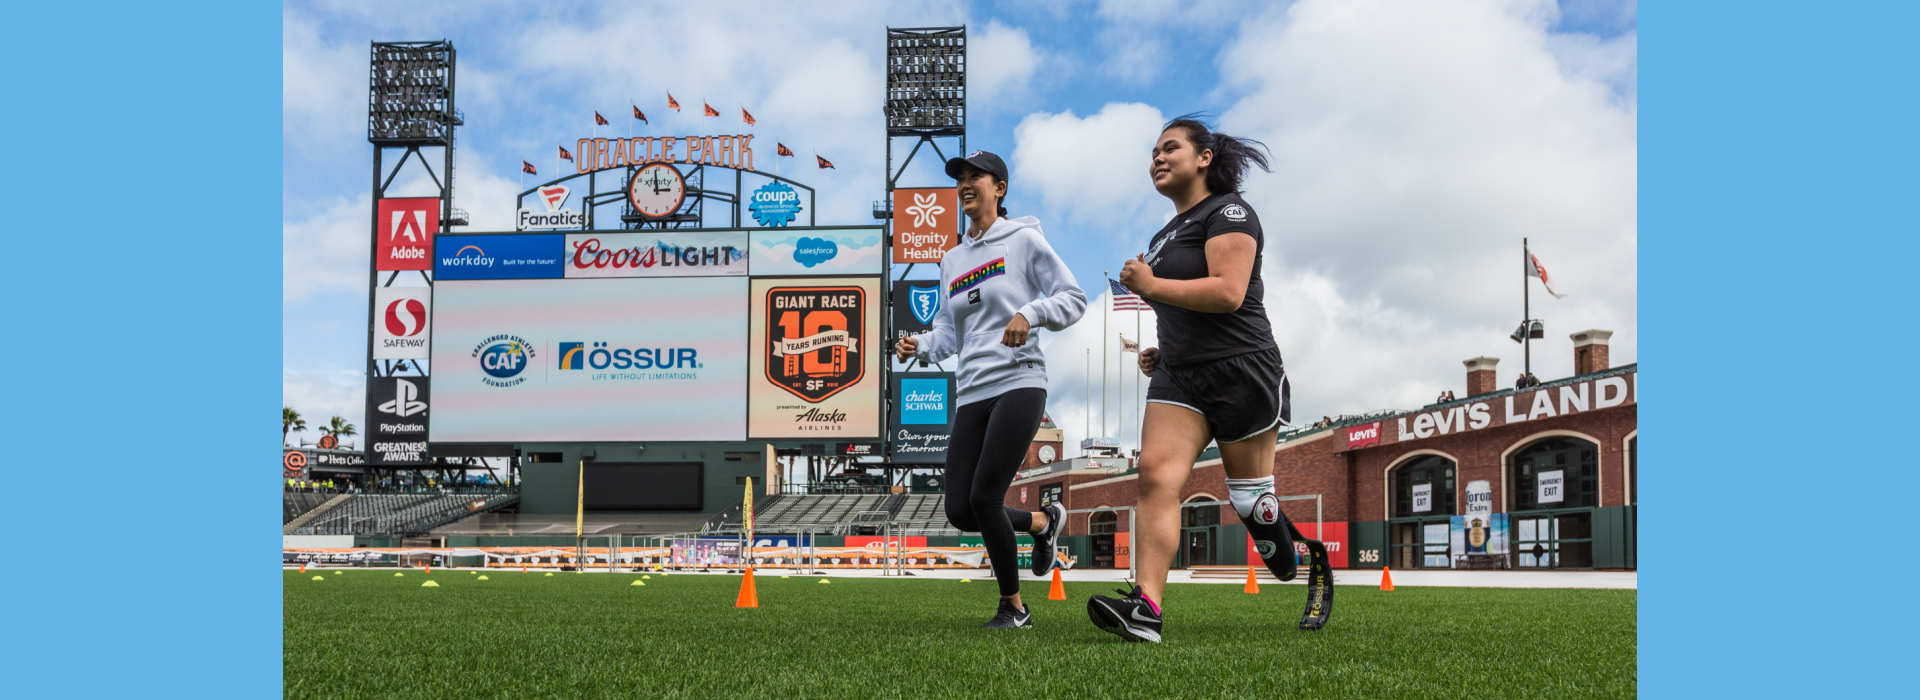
<point>1234,212</point>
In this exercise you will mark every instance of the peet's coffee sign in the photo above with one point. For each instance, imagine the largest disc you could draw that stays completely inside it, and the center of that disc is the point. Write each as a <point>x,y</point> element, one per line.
<point>1519,407</point>
<point>734,151</point>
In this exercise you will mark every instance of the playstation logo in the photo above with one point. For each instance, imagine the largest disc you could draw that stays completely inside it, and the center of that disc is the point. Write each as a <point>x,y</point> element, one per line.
<point>405,402</point>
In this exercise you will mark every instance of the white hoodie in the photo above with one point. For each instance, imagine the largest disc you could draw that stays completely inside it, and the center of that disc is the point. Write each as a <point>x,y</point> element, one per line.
<point>1009,270</point>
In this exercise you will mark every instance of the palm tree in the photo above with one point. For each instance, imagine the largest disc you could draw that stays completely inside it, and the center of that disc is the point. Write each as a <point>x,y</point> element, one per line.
<point>290,421</point>
<point>339,428</point>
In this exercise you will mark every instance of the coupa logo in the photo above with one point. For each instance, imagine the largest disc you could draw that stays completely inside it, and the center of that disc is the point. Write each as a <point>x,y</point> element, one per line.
<point>598,355</point>
<point>503,358</point>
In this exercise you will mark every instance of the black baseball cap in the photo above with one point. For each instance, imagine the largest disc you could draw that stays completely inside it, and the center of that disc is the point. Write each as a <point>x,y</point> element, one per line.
<point>979,159</point>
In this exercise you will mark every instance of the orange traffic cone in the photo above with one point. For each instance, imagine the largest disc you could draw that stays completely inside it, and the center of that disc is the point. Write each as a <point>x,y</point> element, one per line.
<point>428,567</point>
<point>523,567</point>
<point>1057,591</point>
<point>1253,584</point>
<point>1386,578</point>
<point>748,597</point>
<point>303,567</point>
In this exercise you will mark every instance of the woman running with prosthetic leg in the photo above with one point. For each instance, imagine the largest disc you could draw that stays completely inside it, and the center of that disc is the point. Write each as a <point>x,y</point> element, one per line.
<point>1000,281</point>
<point>1216,377</point>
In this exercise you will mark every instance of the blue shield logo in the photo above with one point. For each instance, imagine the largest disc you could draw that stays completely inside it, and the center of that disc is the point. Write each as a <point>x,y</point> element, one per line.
<point>925,302</point>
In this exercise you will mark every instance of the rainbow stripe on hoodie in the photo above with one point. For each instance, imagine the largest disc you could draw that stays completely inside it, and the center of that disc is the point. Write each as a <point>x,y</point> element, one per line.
<point>979,274</point>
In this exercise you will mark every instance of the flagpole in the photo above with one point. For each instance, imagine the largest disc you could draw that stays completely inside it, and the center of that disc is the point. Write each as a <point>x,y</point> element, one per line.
<point>1139,347</point>
<point>1086,425</point>
<point>1526,310</point>
<point>1106,309</point>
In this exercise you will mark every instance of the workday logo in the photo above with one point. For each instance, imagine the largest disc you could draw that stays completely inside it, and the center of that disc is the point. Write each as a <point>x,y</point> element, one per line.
<point>503,358</point>
<point>468,256</point>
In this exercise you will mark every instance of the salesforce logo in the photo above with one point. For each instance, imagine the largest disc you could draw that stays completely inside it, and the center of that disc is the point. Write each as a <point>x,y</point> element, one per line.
<point>503,358</point>
<point>813,251</point>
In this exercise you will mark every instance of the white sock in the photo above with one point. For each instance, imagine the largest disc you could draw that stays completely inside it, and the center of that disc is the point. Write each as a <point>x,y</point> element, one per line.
<point>1244,492</point>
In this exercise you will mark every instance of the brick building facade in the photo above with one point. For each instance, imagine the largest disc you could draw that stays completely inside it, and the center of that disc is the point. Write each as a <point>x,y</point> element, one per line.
<point>1540,477</point>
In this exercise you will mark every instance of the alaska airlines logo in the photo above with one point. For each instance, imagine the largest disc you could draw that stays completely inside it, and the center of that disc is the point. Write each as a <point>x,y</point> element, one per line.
<point>979,275</point>
<point>503,358</point>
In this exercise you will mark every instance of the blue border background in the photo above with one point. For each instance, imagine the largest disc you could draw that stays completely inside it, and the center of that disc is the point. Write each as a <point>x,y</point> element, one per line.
<point>1778,148</point>
<point>1778,168</point>
<point>143,318</point>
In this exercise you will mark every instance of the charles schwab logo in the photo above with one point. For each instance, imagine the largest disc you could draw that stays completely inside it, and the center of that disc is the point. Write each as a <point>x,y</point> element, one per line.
<point>503,358</point>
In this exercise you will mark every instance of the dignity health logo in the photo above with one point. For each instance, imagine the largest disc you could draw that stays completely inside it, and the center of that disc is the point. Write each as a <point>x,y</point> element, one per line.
<point>503,358</point>
<point>925,211</point>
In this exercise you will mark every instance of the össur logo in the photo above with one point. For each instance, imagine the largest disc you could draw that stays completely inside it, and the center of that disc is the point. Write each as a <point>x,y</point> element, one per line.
<point>813,341</point>
<point>1266,509</point>
<point>405,401</point>
<point>404,231</point>
<point>599,355</point>
<point>1234,212</point>
<point>503,358</point>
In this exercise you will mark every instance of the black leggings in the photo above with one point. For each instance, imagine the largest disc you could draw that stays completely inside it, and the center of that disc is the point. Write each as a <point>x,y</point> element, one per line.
<point>989,443</point>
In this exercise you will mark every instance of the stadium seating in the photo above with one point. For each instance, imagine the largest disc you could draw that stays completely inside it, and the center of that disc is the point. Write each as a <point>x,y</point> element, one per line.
<point>297,504</point>
<point>400,514</point>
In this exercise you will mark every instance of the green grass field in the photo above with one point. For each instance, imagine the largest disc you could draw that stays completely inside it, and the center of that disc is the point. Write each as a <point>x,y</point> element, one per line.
<point>367,633</point>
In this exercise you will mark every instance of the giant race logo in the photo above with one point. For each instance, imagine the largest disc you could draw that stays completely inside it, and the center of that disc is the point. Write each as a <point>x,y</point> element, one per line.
<point>503,358</point>
<point>813,339</point>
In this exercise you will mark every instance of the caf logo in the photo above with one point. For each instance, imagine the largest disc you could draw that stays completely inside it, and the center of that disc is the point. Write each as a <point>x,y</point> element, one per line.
<point>813,339</point>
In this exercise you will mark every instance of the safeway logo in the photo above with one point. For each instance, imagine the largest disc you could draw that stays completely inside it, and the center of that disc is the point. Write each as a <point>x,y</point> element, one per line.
<point>405,235</point>
<point>406,317</point>
<point>405,402</point>
<point>554,196</point>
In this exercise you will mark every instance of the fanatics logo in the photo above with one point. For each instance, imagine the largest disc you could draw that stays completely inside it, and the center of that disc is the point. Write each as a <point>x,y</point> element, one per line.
<point>1234,212</point>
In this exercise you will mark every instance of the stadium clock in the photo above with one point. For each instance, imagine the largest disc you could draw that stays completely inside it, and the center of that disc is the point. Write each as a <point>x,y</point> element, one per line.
<point>656,191</point>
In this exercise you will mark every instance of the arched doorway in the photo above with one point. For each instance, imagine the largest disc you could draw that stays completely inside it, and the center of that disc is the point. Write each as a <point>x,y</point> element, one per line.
<point>1421,510</point>
<point>1555,487</point>
<point>1102,528</point>
<point>1199,532</point>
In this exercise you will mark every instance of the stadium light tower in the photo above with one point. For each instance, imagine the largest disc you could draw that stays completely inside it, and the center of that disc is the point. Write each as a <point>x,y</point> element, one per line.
<point>410,106</point>
<point>926,102</point>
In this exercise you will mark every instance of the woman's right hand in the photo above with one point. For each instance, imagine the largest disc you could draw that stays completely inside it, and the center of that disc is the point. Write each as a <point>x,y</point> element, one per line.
<point>905,348</point>
<point>1149,359</point>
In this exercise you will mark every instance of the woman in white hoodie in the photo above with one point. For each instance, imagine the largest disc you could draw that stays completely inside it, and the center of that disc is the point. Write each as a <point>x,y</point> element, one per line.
<point>1001,280</point>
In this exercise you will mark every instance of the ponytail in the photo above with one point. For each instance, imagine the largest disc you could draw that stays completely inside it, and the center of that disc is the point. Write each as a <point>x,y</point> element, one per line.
<point>1231,154</point>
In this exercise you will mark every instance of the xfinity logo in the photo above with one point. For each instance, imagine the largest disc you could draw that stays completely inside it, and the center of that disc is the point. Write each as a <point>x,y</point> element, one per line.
<point>405,401</point>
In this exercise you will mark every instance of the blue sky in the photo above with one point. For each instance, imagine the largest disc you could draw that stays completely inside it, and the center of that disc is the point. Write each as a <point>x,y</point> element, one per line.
<point>1415,144</point>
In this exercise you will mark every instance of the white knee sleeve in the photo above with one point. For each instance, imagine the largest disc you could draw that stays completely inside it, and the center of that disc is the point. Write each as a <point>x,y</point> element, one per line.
<point>1245,492</point>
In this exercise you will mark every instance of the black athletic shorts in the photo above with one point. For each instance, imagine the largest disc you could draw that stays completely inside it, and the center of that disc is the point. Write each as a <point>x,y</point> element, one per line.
<point>1240,396</point>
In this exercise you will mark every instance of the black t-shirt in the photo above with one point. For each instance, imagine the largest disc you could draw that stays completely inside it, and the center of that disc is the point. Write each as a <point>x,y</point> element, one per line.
<point>1179,251</point>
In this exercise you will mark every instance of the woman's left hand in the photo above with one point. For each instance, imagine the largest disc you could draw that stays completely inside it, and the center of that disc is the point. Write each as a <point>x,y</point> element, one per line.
<point>1016,334</point>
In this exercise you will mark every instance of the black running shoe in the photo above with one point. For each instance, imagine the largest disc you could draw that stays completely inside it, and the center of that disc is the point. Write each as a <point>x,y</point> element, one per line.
<point>1009,618</point>
<point>1129,616</point>
<point>1043,559</point>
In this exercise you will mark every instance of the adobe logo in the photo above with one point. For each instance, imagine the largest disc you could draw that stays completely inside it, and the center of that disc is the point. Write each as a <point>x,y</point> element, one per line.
<point>404,231</point>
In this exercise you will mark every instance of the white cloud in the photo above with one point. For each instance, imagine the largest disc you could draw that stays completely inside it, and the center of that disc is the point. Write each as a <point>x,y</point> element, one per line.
<point>1093,168</point>
<point>1000,62</point>
<point>319,396</point>
<point>1073,373</point>
<point>328,251</point>
<point>1415,145</point>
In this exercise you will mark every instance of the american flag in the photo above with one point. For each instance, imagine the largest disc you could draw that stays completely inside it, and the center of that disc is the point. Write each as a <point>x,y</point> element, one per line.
<point>1124,300</point>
